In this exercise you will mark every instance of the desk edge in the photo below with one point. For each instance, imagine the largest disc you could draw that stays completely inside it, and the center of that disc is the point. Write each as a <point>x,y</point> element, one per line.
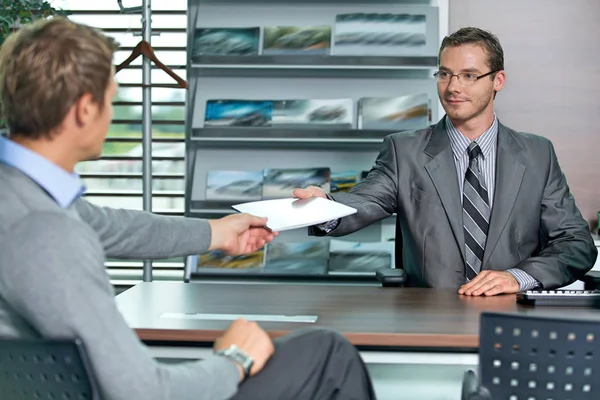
<point>356,338</point>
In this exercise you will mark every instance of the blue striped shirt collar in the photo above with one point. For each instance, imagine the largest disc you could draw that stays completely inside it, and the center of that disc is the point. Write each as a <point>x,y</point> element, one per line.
<point>460,142</point>
<point>62,186</point>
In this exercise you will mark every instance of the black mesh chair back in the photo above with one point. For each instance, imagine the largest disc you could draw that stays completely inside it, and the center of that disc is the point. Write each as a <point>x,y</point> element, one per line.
<point>538,358</point>
<point>44,369</point>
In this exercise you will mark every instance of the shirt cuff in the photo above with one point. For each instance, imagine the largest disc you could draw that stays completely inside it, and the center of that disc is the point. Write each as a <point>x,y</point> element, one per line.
<point>526,281</point>
<point>329,225</point>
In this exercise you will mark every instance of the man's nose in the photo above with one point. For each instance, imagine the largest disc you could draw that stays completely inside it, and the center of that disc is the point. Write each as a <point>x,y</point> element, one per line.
<point>454,85</point>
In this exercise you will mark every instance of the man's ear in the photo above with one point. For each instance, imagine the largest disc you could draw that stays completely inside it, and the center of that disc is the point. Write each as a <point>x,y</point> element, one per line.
<point>85,110</point>
<point>499,81</point>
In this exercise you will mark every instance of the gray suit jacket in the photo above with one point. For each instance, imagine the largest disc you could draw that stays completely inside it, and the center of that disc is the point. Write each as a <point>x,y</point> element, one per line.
<point>535,224</point>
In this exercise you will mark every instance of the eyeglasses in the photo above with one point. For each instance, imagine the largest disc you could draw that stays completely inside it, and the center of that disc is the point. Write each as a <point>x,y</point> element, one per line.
<point>465,78</point>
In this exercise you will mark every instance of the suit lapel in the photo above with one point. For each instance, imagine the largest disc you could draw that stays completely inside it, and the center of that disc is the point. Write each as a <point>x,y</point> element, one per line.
<point>442,171</point>
<point>509,175</point>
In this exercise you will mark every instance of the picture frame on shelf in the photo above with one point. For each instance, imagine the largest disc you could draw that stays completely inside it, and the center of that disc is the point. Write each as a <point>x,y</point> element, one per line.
<point>226,41</point>
<point>409,112</point>
<point>296,40</point>
<point>308,257</point>
<point>217,259</point>
<point>234,186</point>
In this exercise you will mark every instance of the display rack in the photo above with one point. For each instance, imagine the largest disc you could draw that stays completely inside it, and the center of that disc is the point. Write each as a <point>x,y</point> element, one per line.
<point>276,77</point>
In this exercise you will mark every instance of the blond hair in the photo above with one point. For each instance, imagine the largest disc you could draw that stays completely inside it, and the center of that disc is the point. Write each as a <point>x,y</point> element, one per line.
<point>45,67</point>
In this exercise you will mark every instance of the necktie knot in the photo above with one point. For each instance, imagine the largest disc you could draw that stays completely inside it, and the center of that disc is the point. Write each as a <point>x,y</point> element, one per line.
<point>474,151</point>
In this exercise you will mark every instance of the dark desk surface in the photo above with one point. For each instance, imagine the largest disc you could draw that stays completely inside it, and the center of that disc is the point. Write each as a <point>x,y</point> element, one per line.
<point>367,316</point>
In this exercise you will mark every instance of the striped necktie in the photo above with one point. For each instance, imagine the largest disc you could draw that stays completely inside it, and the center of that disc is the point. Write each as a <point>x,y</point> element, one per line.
<point>476,213</point>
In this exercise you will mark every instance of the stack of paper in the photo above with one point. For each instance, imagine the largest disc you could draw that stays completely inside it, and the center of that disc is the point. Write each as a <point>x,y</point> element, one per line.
<point>293,213</point>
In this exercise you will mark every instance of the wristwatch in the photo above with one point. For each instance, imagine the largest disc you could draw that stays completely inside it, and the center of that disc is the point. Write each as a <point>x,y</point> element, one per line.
<point>238,355</point>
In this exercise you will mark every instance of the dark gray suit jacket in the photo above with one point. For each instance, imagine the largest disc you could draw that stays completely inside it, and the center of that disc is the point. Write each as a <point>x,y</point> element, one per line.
<point>535,224</point>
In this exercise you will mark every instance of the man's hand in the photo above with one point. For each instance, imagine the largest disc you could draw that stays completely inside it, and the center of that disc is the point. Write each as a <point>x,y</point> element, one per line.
<point>490,283</point>
<point>308,192</point>
<point>249,337</point>
<point>239,234</point>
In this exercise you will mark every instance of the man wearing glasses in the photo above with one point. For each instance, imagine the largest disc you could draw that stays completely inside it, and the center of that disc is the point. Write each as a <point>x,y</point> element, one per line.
<point>480,207</point>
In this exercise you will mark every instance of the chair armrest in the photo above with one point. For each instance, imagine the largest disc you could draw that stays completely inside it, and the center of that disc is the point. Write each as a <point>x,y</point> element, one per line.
<point>391,277</point>
<point>471,390</point>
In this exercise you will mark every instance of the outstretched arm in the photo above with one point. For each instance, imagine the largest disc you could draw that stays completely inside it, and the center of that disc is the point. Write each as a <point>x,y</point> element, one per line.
<point>130,234</point>
<point>375,197</point>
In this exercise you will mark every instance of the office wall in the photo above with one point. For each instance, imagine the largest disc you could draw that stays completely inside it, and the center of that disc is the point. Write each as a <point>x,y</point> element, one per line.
<point>552,62</point>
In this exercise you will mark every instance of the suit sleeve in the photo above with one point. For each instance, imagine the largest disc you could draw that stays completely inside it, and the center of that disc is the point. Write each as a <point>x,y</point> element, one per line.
<point>568,250</point>
<point>375,197</point>
<point>130,234</point>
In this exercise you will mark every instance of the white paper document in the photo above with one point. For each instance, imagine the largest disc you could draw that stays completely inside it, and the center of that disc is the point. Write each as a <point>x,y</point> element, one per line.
<point>293,213</point>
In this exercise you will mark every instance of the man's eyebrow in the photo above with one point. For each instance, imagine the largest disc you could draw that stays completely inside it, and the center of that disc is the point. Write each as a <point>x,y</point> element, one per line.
<point>471,70</point>
<point>442,68</point>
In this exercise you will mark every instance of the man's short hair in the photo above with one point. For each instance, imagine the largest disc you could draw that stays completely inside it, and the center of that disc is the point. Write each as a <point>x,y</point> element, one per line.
<point>487,40</point>
<point>45,67</point>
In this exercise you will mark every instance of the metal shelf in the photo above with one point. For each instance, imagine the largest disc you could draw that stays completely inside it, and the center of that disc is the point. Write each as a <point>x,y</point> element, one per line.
<point>314,62</point>
<point>289,137</point>
<point>264,274</point>
<point>200,208</point>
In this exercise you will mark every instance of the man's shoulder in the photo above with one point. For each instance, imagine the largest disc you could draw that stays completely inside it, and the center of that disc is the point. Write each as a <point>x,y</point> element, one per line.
<point>37,222</point>
<point>413,137</point>
<point>20,196</point>
<point>13,206</point>
<point>48,232</point>
<point>25,205</point>
<point>527,139</point>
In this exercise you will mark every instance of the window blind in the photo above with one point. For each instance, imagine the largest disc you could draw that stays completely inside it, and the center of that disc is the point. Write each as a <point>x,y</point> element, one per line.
<point>115,180</point>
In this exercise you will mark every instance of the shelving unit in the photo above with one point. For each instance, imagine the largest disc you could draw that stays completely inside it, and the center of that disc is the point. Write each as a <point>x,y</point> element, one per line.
<point>279,77</point>
<point>313,62</point>
<point>290,138</point>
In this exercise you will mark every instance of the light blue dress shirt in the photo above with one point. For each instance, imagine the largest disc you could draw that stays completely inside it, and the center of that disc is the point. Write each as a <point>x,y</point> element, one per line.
<point>62,186</point>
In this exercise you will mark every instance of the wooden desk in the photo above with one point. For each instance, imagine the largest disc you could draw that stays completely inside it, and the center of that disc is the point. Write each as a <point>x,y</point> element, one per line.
<point>370,317</point>
<point>417,343</point>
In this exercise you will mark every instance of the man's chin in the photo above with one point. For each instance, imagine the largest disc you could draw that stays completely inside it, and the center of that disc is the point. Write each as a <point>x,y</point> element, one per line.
<point>455,115</point>
<point>93,157</point>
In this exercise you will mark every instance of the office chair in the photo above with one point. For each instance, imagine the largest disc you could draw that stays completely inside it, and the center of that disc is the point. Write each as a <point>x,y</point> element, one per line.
<point>394,277</point>
<point>535,358</point>
<point>45,369</point>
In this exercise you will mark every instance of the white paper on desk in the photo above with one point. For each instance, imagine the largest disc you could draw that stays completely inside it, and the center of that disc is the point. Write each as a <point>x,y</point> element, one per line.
<point>293,213</point>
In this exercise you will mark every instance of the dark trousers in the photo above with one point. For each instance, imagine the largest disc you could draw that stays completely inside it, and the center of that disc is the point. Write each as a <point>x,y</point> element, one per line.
<point>314,364</point>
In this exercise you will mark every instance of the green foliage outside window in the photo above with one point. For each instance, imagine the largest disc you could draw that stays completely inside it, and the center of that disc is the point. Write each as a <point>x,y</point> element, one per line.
<point>134,130</point>
<point>15,13</point>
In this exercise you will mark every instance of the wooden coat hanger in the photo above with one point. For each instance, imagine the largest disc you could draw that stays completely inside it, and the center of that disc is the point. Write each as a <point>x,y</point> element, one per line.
<point>143,48</point>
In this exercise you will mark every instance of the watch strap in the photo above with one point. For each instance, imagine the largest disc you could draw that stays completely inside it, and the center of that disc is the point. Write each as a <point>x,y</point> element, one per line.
<point>238,355</point>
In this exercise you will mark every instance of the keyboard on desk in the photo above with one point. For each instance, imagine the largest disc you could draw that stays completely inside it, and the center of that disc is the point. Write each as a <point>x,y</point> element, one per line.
<point>560,298</point>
